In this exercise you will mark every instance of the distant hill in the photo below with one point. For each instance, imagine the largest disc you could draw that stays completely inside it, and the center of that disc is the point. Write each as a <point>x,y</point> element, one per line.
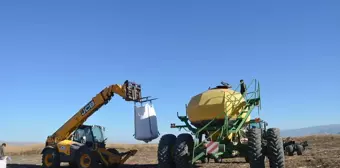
<point>314,130</point>
<point>323,129</point>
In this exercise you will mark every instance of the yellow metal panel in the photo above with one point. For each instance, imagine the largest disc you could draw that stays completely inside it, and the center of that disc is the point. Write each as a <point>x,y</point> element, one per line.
<point>211,103</point>
<point>65,146</point>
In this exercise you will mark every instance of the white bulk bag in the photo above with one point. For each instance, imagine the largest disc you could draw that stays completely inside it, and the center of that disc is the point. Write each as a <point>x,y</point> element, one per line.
<point>146,128</point>
<point>3,161</point>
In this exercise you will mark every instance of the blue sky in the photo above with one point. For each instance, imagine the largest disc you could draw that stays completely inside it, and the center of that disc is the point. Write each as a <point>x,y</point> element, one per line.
<point>55,56</point>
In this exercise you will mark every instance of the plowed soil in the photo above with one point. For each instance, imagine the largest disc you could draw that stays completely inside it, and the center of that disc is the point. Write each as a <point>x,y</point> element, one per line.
<point>324,152</point>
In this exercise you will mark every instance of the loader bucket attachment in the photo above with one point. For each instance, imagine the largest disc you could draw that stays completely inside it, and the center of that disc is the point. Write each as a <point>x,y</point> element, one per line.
<point>133,91</point>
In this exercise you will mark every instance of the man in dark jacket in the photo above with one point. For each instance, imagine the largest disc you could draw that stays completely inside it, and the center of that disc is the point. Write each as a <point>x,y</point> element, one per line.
<point>243,87</point>
<point>2,150</point>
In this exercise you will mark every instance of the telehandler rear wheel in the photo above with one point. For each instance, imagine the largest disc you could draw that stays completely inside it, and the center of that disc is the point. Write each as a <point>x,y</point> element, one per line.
<point>50,158</point>
<point>255,152</point>
<point>275,151</point>
<point>183,151</point>
<point>166,150</point>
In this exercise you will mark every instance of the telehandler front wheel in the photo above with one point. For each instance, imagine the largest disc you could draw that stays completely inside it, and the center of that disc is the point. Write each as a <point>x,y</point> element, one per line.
<point>84,158</point>
<point>50,158</point>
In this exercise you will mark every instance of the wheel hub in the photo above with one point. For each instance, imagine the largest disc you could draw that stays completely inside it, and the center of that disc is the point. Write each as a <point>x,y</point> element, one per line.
<point>85,160</point>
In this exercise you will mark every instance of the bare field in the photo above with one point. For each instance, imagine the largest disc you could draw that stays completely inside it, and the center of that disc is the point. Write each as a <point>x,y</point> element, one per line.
<point>324,152</point>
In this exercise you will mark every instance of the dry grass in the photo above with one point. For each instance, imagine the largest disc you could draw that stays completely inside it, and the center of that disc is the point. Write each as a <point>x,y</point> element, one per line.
<point>324,153</point>
<point>37,148</point>
<point>23,149</point>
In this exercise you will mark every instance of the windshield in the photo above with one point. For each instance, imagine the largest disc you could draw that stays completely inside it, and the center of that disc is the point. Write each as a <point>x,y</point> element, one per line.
<point>79,133</point>
<point>254,125</point>
<point>98,134</point>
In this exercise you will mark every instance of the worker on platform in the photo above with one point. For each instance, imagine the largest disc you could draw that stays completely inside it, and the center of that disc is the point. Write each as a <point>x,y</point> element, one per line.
<point>243,87</point>
<point>2,150</point>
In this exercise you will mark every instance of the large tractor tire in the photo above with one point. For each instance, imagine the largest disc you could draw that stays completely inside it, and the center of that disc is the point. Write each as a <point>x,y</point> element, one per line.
<point>289,150</point>
<point>275,151</point>
<point>183,151</point>
<point>84,158</point>
<point>255,155</point>
<point>50,158</point>
<point>165,151</point>
<point>299,149</point>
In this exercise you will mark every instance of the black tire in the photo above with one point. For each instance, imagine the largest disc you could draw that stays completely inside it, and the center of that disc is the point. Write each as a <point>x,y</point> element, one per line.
<point>50,158</point>
<point>255,155</point>
<point>84,158</point>
<point>299,149</point>
<point>183,151</point>
<point>289,150</point>
<point>165,151</point>
<point>275,149</point>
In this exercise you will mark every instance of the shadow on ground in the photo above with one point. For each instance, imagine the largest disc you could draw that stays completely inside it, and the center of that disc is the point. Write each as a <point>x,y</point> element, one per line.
<point>122,166</point>
<point>22,166</point>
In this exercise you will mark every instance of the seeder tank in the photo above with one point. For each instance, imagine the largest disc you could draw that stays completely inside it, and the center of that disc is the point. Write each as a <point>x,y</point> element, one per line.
<point>217,102</point>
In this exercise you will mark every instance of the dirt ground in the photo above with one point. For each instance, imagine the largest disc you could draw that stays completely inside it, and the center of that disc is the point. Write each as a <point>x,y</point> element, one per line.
<point>324,152</point>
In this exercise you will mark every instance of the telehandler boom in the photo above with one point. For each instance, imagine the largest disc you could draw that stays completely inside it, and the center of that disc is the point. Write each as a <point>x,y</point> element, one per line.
<point>84,146</point>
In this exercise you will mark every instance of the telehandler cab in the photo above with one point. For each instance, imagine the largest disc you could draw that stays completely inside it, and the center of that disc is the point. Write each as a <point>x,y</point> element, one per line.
<point>84,146</point>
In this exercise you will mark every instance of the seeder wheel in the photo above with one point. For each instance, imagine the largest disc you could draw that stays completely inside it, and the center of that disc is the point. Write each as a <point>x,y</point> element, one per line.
<point>183,151</point>
<point>275,151</point>
<point>165,151</point>
<point>255,155</point>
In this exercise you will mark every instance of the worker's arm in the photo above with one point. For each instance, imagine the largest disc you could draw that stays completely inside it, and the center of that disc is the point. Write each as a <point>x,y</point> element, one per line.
<point>128,91</point>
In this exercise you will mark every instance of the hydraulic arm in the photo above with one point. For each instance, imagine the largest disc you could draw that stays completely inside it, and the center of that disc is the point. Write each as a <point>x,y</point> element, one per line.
<point>128,91</point>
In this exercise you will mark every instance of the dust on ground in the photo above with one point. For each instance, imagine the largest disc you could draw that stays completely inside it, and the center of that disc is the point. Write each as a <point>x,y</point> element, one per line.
<point>324,153</point>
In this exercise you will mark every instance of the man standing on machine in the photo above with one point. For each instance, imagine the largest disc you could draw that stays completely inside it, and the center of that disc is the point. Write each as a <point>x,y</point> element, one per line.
<point>243,87</point>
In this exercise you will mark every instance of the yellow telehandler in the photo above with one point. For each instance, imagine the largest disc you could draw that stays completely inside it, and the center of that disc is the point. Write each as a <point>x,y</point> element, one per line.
<point>84,146</point>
